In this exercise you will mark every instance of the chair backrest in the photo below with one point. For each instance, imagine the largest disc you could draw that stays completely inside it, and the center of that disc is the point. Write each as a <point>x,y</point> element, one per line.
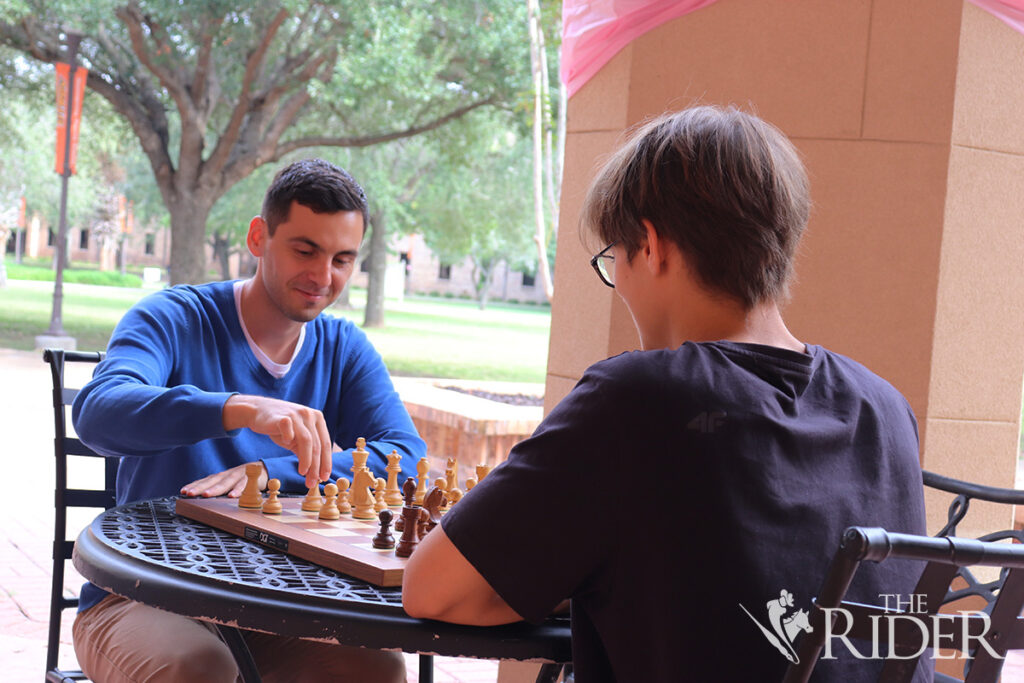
<point>947,578</point>
<point>65,497</point>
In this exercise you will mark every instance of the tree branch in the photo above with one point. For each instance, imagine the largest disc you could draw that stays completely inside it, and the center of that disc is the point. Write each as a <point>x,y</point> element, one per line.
<point>285,116</point>
<point>365,141</point>
<point>202,76</point>
<point>133,22</point>
<point>229,137</point>
<point>142,87</point>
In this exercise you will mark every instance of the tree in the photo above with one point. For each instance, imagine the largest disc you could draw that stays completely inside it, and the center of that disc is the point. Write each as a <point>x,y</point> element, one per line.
<point>228,225</point>
<point>213,90</point>
<point>546,174</point>
<point>392,176</point>
<point>480,210</point>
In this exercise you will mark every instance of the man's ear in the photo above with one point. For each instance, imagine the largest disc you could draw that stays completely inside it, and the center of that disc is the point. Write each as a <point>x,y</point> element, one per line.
<point>258,235</point>
<point>654,250</point>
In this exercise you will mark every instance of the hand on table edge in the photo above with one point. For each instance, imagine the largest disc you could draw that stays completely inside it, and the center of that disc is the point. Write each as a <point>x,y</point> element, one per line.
<point>230,481</point>
<point>440,583</point>
<point>298,428</point>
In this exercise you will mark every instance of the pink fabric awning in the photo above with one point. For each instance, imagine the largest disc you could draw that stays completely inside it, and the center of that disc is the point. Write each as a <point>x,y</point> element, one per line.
<point>594,31</point>
<point>1010,11</point>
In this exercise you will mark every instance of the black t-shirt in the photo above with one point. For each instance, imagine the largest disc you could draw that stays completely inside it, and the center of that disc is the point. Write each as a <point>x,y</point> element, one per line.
<point>673,494</point>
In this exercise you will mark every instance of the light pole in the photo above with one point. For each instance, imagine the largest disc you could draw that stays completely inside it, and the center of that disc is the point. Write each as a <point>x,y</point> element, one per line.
<point>56,336</point>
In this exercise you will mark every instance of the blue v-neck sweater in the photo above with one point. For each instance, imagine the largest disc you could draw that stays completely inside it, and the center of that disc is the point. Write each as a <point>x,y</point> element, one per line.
<point>175,358</point>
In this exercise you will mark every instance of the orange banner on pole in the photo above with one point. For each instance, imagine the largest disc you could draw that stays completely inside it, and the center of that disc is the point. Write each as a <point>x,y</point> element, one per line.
<point>62,113</point>
<point>21,212</point>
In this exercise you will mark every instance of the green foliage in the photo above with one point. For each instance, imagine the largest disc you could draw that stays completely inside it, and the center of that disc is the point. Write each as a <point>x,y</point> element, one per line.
<point>331,73</point>
<point>481,206</point>
<point>85,276</point>
<point>27,149</point>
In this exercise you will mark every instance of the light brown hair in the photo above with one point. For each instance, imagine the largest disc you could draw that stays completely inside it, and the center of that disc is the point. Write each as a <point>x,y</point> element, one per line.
<point>726,187</point>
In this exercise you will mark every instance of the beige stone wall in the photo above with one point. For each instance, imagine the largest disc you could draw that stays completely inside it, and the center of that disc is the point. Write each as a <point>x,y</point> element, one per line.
<point>36,238</point>
<point>907,113</point>
<point>506,284</point>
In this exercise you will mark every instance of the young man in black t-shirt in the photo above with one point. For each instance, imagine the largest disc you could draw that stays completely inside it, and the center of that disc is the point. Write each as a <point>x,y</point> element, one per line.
<point>677,492</point>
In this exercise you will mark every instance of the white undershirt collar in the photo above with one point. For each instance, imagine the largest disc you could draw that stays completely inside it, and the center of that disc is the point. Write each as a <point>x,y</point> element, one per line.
<point>278,370</point>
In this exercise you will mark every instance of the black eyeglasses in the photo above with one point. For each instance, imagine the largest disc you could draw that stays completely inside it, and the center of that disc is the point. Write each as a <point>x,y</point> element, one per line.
<point>603,264</point>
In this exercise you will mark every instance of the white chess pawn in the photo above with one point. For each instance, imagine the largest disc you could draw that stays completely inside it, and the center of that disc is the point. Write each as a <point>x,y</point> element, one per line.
<point>329,510</point>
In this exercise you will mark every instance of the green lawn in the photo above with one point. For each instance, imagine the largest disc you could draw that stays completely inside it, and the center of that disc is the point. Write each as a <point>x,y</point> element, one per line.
<point>424,336</point>
<point>433,337</point>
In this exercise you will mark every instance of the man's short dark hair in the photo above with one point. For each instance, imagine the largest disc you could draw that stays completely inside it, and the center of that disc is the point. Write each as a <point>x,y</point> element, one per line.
<point>316,184</point>
<point>726,187</point>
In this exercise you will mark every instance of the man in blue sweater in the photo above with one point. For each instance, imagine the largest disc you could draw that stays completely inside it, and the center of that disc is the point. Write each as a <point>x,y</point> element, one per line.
<point>200,380</point>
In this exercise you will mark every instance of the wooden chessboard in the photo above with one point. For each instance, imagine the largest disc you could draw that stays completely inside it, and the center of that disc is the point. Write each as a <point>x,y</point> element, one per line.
<point>343,545</point>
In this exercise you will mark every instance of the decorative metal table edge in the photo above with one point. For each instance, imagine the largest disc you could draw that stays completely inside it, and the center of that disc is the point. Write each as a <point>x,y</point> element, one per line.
<point>145,552</point>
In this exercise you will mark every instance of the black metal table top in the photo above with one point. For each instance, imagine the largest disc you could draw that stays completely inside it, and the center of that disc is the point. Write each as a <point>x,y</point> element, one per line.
<point>145,552</point>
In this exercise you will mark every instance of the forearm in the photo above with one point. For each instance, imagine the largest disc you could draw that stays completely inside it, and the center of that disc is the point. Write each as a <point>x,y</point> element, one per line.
<point>119,416</point>
<point>439,583</point>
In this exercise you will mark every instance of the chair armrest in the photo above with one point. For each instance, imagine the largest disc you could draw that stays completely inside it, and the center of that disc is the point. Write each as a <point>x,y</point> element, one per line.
<point>992,494</point>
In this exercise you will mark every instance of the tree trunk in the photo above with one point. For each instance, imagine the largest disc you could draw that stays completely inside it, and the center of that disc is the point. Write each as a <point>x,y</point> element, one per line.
<point>344,299</point>
<point>482,281</point>
<point>551,181</point>
<point>188,240</point>
<point>540,229</point>
<point>373,315</point>
<point>222,254</point>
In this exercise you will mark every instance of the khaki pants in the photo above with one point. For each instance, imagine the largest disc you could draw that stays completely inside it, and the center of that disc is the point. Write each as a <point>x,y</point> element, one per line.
<point>121,641</point>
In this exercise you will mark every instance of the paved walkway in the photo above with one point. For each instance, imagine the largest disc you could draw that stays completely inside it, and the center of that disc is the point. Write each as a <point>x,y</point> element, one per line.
<point>26,526</point>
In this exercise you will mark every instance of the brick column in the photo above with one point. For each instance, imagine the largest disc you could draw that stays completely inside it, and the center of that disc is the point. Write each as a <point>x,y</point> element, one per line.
<point>908,114</point>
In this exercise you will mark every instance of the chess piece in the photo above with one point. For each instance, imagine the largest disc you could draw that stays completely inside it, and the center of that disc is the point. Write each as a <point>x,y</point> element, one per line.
<point>273,505</point>
<point>384,539</point>
<point>409,489</point>
<point>454,496</point>
<point>359,458</point>
<point>443,485</point>
<point>482,471</point>
<point>344,507</point>
<point>252,497</point>
<point>378,496</point>
<point>392,494</point>
<point>422,469</point>
<point>470,483</point>
<point>432,504</point>
<point>362,499</point>
<point>451,474</point>
<point>313,502</point>
<point>329,510</point>
<point>421,524</point>
<point>410,516</point>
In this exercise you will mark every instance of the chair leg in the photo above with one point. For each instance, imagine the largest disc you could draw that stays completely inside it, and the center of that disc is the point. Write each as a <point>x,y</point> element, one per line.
<point>233,638</point>
<point>426,668</point>
<point>549,673</point>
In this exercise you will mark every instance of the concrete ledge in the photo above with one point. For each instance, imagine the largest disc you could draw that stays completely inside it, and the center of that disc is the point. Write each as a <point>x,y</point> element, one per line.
<point>50,341</point>
<point>474,430</point>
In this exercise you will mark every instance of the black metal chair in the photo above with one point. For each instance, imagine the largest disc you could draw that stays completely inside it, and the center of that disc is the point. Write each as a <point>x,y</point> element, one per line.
<point>946,579</point>
<point>65,497</point>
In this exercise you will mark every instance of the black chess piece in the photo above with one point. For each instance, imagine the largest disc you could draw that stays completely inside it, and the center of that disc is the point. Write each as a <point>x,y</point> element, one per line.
<point>410,517</point>
<point>384,539</point>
